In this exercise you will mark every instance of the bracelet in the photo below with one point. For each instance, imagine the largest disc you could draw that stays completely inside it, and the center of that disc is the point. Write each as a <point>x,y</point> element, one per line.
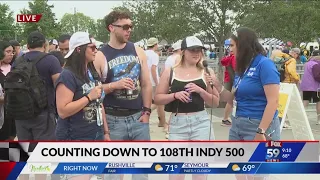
<point>107,132</point>
<point>88,98</point>
<point>109,86</point>
<point>222,89</point>
<point>174,96</point>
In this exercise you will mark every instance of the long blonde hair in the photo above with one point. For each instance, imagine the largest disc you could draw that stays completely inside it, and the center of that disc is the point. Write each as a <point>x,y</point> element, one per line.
<point>180,60</point>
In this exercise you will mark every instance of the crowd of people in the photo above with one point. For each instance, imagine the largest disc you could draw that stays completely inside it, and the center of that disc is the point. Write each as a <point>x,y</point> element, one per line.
<point>66,89</point>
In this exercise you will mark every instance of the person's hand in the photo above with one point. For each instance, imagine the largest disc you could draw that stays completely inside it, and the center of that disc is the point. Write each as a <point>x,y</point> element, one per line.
<point>182,96</point>
<point>125,83</point>
<point>95,93</point>
<point>107,137</point>
<point>209,78</point>
<point>191,87</point>
<point>259,137</point>
<point>144,118</point>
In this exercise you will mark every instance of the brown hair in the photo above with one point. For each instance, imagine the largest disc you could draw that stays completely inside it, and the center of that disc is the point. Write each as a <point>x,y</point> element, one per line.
<point>114,16</point>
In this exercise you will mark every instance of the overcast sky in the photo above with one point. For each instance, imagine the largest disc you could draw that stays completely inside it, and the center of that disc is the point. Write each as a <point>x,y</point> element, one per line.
<point>94,9</point>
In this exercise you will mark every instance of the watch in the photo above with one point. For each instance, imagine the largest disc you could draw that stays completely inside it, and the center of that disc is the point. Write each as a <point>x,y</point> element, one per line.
<point>145,109</point>
<point>261,131</point>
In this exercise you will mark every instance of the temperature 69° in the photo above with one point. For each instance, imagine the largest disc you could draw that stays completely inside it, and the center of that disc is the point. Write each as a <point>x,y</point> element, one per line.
<point>248,167</point>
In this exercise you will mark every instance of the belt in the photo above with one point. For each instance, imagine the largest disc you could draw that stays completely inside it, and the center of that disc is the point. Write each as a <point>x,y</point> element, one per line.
<point>115,111</point>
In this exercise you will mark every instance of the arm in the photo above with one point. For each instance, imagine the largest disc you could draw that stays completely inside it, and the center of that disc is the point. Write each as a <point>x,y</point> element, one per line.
<point>155,62</point>
<point>162,97</point>
<point>105,124</point>
<point>272,95</point>
<point>54,68</point>
<point>225,95</point>
<point>146,87</point>
<point>65,106</point>
<point>292,70</point>
<point>100,63</point>
<point>1,100</point>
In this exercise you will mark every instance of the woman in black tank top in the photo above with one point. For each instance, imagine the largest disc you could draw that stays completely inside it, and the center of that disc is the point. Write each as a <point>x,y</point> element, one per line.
<point>186,94</point>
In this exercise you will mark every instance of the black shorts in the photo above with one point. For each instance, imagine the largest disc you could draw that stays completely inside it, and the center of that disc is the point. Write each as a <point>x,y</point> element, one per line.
<point>311,96</point>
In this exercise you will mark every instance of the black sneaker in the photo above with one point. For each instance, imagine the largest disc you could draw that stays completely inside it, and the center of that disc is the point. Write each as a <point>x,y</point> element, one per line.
<point>226,123</point>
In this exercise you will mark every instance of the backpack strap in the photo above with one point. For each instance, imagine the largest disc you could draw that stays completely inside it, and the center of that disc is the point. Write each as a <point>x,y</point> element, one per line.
<point>39,58</point>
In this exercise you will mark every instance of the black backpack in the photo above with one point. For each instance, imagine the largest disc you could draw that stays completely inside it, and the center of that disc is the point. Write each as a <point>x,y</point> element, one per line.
<point>25,90</point>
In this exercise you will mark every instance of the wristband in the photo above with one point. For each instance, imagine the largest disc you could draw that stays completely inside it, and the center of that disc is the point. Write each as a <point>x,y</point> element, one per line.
<point>88,98</point>
<point>107,132</point>
<point>174,96</point>
<point>145,109</point>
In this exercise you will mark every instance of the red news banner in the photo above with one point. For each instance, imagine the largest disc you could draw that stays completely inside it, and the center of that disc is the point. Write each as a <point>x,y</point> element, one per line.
<point>28,17</point>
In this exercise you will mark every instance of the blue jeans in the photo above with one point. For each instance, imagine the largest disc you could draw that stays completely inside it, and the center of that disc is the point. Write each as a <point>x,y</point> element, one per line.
<point>128,128</point>
<point>194,126</point>
<point>244,128</point>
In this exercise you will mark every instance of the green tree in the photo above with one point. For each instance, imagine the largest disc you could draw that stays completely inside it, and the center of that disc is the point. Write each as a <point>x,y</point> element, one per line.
<point>47,24</point>
<point>295,21</point>
<point>217,19</point>
<point>7,29</point>
<point>102,32</point>
<point>70,23</point>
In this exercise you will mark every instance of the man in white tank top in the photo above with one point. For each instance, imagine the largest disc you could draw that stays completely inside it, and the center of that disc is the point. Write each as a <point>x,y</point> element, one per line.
<point>153,62</point>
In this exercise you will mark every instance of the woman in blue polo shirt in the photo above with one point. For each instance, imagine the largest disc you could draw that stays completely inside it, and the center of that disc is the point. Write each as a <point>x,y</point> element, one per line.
<point>255,90</point>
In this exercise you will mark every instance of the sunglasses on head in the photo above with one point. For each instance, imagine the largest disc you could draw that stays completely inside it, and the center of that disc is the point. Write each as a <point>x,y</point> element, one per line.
<point>124,27</point>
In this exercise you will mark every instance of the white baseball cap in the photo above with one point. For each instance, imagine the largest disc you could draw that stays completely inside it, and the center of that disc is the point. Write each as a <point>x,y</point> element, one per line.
<point>177,45</point>
<point>77,39</point>
<point>191,42</point>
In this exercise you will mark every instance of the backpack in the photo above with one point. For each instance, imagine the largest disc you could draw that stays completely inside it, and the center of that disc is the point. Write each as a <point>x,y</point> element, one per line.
<point>280,64</point>
<point>25,90</point>
<point>316,71</point>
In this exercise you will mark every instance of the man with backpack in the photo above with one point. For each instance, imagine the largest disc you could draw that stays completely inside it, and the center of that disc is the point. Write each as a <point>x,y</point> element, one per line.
<point>29,91</point>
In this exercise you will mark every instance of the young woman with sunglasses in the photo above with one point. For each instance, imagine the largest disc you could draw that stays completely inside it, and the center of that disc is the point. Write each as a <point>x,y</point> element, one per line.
<point>79,95</point>
<point>189,93</point>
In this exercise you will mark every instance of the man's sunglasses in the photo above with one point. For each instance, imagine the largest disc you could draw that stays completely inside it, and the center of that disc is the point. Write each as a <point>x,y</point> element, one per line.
<point>124,27</point>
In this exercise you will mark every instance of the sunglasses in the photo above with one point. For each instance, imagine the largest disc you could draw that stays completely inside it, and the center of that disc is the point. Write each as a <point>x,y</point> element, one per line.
<point>197,49</point>
<point>124,27</point>
<point>93,48</point>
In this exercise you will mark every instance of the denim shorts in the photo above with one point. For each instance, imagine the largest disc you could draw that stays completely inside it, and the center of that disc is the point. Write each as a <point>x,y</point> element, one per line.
<point>244,128</point>
<point>195,126</point>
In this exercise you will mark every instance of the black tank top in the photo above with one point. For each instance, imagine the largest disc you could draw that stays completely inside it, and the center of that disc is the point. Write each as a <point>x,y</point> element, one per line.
<point>123,63</point>
<point>197,103</point>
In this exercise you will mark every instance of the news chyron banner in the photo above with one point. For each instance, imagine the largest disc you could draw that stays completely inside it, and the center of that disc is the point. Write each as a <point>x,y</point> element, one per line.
<point>159,158</point>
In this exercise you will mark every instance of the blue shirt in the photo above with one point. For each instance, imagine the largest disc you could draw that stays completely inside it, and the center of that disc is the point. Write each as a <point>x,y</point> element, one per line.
<point>82,124</point>
<point>250,96</point>
<point>303,59</point>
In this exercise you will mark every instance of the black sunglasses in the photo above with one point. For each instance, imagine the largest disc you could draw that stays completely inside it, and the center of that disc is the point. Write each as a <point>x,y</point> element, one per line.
<point>93,48</point>
<point>124,27</point>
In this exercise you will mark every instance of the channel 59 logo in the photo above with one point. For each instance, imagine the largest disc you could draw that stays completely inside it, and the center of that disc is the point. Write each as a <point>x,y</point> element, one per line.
<point>273,151</point>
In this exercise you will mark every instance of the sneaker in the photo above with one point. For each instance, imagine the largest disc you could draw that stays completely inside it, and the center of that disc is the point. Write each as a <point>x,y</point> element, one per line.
<point>318,122</point>
<point>286,126</point>
<point>167,135</point>
<point>226,123</point>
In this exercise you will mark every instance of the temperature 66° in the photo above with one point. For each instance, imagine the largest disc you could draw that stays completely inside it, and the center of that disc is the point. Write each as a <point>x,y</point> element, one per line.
<point>285,156</point>
<point>248,167</point>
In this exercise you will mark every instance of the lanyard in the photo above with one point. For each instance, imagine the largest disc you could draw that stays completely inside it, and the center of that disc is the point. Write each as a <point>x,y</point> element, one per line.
<point>90,76</point>
<point>235,88</point>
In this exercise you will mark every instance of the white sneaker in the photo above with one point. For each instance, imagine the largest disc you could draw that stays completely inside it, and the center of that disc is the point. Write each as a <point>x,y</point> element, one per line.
<point>286,126</point>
